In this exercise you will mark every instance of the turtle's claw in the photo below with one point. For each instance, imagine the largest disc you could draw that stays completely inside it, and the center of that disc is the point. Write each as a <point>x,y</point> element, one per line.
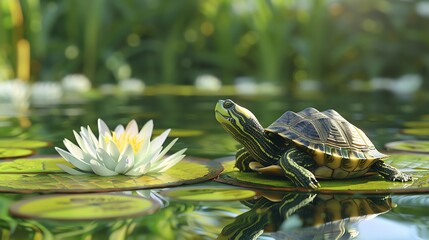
<point>401,177</point>
<point>308,181</point>
<point>313,183</point>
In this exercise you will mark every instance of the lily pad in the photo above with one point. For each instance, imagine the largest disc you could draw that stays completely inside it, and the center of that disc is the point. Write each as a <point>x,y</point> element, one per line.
<point>417,146</point>
<point>416,131</point>
<point>80,207</point>
<point>18,143</point>
<point>180,132</point>
<point>414,164</point>
<point>14,152</point>
<point>33,165</point>
<point>417,124</point>
<point>42,175</point>
<point>209,193</point>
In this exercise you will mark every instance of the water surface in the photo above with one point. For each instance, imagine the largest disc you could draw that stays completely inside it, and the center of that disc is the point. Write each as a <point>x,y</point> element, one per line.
<point>381,115</point>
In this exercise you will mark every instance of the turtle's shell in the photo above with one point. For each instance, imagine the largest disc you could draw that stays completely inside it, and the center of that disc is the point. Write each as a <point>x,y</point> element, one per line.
<point>340,149</point>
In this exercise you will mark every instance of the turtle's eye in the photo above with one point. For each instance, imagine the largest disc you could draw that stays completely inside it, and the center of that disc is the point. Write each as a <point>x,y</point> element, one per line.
<point>227,104</point>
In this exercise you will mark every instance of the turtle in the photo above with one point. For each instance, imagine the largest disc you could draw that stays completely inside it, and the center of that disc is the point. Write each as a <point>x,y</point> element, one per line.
<point>304,146</point>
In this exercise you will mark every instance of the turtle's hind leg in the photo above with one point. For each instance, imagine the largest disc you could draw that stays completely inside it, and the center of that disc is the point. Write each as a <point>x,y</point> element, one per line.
<point>390,173</point>
<point>298,174</point>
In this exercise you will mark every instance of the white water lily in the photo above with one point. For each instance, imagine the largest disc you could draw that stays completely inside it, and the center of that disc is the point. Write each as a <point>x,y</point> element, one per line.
<point>126,151</point>
<point>14,97</point>
<point>76,83</point>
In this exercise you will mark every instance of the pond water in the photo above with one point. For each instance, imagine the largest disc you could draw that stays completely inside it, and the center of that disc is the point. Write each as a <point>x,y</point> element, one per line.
<point>283,215</point>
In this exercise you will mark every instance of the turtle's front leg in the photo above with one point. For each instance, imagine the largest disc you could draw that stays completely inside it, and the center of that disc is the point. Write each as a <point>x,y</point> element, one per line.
<point>242,160</point>
<point>389,172</point>
<point>296,173</point>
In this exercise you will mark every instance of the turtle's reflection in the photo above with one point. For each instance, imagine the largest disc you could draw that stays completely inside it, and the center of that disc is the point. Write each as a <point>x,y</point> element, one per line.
<point>305,216</point>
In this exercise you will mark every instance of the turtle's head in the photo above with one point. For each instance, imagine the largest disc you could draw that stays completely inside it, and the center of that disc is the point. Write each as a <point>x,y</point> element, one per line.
<point>245,128</point>
<point>236,119</point>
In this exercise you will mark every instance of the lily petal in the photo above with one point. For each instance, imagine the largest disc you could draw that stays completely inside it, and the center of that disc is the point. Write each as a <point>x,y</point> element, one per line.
<point>113,150</point>
<point>103,128</point>
<point>143,151</point>
<point>168,147</point>
<point>132,128</point>
<point>92,137</point>
<point>170,164</point>
<point>103,133</point>
<point>73,160</point>
<point>146,131</point>
<point>79,141</point>
<point>119,130</point>
<point>107,160</point>
<point>74,150</point>
<point>158,141</point>
<point>126,160</point>
<point>88,143</point>
<point>139,170</point>
<point>70,170</point>
<point>169,161</point>
<point>100,169</point>
<point>148,158</point>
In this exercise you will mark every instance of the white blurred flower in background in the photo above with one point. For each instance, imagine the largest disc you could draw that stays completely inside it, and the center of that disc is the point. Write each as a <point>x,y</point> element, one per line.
<point>246,85</point>
<point>208,82</point>
<point>14,96</point>
<point>132,86</point>
<point>407,84</point>
<point>75,83</point>
<point>422,8</point>
<point>404,86</point>
<point>46,93</point>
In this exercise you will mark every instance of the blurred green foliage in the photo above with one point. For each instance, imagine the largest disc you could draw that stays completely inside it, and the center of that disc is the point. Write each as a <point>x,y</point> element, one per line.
<point>282,41</point>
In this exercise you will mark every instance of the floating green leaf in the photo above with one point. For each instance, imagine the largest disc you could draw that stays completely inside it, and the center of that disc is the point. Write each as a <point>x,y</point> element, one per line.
<point>18,143</point>
<point>209,193</point>
<point>83,207</point>
<point>42,175</point>
<point>14,152</point>
<point>416,165</point>
<point>417,146</point>
<point>416,131</point>
<point>180,132</point>
<point>33,165</point>
<point>417,124</point>
<point>7,130</point>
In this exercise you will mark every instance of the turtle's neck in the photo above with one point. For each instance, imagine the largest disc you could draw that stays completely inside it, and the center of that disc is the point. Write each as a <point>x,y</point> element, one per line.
<point>261,147</point>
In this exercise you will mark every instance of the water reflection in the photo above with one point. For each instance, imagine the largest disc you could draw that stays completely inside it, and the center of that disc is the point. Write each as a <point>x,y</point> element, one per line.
<point>412,210</point>
<point>305,216</point>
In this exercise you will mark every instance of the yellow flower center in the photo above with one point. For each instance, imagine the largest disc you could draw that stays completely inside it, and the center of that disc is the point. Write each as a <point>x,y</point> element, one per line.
<point>122,140</point>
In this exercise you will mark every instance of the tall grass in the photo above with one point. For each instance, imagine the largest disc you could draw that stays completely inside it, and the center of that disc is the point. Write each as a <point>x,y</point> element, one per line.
<point>173,41</point>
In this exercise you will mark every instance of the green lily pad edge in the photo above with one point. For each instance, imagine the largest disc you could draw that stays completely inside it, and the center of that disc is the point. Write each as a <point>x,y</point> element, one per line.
<point>19,143</point>
<point>83,207</point>
<point>414,146</point>
<point>209,193</point>
<point>10,153</point>
<point>42,175</point>
<point>415,164</point>
<point>16,148</point>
